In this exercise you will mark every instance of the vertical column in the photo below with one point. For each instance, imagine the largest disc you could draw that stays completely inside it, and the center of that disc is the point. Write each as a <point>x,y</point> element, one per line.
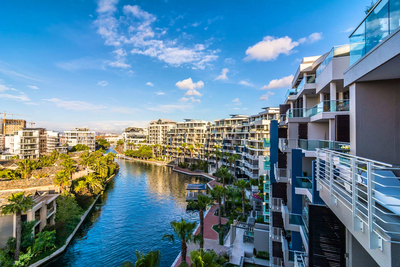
<point>321,97</point>
<point>353,128</point>
<point>332,87</point>
<point>332,130</point>
<point>304,101</point>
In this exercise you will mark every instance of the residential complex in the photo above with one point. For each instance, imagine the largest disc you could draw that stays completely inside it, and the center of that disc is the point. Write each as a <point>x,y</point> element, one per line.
<point>333,187</point>
<point>158,131</point>
<point>191,132</point>
<point>133,137</point>
<point>82,136</point>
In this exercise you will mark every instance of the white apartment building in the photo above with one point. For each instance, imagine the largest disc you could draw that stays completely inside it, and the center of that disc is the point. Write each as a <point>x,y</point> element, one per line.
<point>158,131</point>
<point>190,132</point>
<point>133,137</point>
<point>53,142</point>
<point>26,143</point>
<point>81,136</point>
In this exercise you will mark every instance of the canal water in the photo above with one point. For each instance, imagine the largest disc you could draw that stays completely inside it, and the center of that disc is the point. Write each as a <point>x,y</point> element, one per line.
<point>132,215</point>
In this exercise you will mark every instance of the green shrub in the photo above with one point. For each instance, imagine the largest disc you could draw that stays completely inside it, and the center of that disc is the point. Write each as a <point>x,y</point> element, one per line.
<point>263,255</point>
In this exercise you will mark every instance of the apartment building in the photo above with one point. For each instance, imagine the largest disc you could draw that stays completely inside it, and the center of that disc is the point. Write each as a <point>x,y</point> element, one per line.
<point>133,137</point>
<point>245,136</point>
<point>27,143</point>
<point>43,212</point>
<point>81,136</point>
<point>333,187</point>
<point>52,142</point>
<point>190,132</point>
<point>158,131</point>
<point>9,126</point>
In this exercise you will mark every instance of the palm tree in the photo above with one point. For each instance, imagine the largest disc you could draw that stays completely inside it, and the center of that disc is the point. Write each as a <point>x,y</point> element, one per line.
<point>202,202</point>
<point>184,230</point>
<point>242,184</point>
<point>69,168</point>
<point>231,160</point>
<point>62,180</point>
<point>232,193</point>
<point>198,146</point>
<point>18,203</point>
<point>236,158</point>
<point>218,154</point>
<point>100,167</point>
<point>217,194</point>
<point>167,148</point>
<point>178,151</point>
<point>191,150</point>
<point>226,155</point>
<point>81,186</point>
<point>87,159</point>
<point>201,258</point>
<point>94,183</point>
<point>207,155</point>
<point>151,259</point>
<point>26,167</point>
<point>184,146</point>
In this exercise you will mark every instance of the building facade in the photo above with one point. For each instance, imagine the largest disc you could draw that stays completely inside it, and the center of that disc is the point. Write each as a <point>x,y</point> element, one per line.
<point>158,131</point>
<point>134,137</point>
<point>9,126</point>
<point>81,136</point>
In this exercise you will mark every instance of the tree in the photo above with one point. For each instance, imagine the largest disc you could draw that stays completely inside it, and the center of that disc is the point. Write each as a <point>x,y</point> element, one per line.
<point>151,259</point>
<point>231,160</point>
<point>198,146</point>
<point>184,146</point>
<point>25,167</point>
<point>218,155</point>
<point>18,203</point>
<point>191,150</point>
<point>217,194</point>
<point>178,151</point>
<point>236,158</point>
<point>184,230</point>
<point>69,167</point>
<point>62,180</point>
<point>202,202</point>
<point>242,184</point>
<point>100,167</point>
<point>81,186</point>
<point>67,208</point>
<point>232,193</point>
<point>201,258</point>
<point>94,183</point>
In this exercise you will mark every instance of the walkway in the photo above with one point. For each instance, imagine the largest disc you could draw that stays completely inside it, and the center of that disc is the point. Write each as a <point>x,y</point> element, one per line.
<point>210,184</point>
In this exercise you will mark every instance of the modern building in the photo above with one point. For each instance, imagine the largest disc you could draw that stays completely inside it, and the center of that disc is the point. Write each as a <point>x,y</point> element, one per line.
<point>28,142</point>
<point>133,137</point>
<point>158,131</point>
<point>333,186</point>
<point>43,212</point>
<point>191,132</point>
<point>81,136</point>
<point>52,143</point>
<point>9,126</point>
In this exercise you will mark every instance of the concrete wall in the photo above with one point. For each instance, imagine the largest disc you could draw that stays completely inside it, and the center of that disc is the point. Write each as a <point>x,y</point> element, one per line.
<point>375,120</point>
<point>261,239</point>
<point>312,101</point>
<point>333,71</point>
<point>357,254</point>
<point>318,131</point>
<point>6,229</point>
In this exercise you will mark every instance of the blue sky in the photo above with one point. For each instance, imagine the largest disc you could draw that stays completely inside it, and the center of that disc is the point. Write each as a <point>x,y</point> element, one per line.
<point>111,64</point>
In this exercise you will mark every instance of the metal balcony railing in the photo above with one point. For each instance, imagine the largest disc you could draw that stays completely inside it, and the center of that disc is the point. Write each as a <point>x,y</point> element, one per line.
<point>368,189</point>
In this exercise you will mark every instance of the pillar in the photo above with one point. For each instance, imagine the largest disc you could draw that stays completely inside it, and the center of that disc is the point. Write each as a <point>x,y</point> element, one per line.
<point>304,101</point>
<point>321,97</point>
<point>332,86</point>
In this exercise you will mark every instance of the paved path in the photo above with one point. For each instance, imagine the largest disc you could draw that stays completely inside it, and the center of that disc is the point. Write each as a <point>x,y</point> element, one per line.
<point>209,221</point>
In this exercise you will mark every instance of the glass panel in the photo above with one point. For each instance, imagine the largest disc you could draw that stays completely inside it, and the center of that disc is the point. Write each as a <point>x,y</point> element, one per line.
<point>377,25</point>
<point>357,44</point>
<point>394,6</point>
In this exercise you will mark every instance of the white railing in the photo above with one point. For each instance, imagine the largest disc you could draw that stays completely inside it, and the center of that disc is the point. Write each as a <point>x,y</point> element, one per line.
<point>276,204</point>
<point>281,174</point>
<point>368,188</point>
<point>283,144</point>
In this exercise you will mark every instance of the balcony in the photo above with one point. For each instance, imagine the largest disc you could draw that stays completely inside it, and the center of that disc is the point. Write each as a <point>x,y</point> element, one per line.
<point>337,51</point>
<point>267,142</point>
<point>283,144</point>
<point>312,145</point>
<point>290,94</point>
<point>281,174</point>
<point>322,107</point>
<point>364,194</point>
<point>381,21</point>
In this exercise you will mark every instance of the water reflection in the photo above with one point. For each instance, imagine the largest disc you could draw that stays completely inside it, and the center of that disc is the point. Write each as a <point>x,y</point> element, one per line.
<point>133,214</point>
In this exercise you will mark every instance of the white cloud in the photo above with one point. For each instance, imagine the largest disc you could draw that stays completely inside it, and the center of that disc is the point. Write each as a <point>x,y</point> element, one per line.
<point>144,39</point>
<point>120,55</point>
<point>270,48</point>
<point>105,6</point>
<point>229,61</point>
<point>193,92</point>
<point>169,108</point>
<point>14,73</point>
<point>81,64</point>
<point>312,38</point>
<point>185,99</point>
<point>160,93</point>
<point>21,97</point>
<point>223,75</point>
<point>149,84</point>
<point>279,83</point>
<point>34,87</point>
<point>5,88</point>
<point>348,30</point>
<point>124,110</point>
<point>236,100</point>
<point>189,84</point>
<point>75,105</point>
<point>245,83</point>
<point>267,95</point>
<point>102,83</point>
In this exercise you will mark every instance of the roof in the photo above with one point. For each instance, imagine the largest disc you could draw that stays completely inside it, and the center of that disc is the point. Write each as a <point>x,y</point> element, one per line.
<point>196,187</point>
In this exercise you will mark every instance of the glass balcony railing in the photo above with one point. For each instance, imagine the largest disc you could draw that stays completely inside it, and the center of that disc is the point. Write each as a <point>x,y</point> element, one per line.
<point>303,182</point>
<point>324,106</point>
<point>267,142</point>
<point>336,51</point>
<point>382,20</point>
<point>306,80</point>
<point>312,145</point>
<point>290,92</point>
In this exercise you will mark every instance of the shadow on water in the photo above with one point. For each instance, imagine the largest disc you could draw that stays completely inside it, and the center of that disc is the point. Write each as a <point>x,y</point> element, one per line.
<point>133,214</point>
